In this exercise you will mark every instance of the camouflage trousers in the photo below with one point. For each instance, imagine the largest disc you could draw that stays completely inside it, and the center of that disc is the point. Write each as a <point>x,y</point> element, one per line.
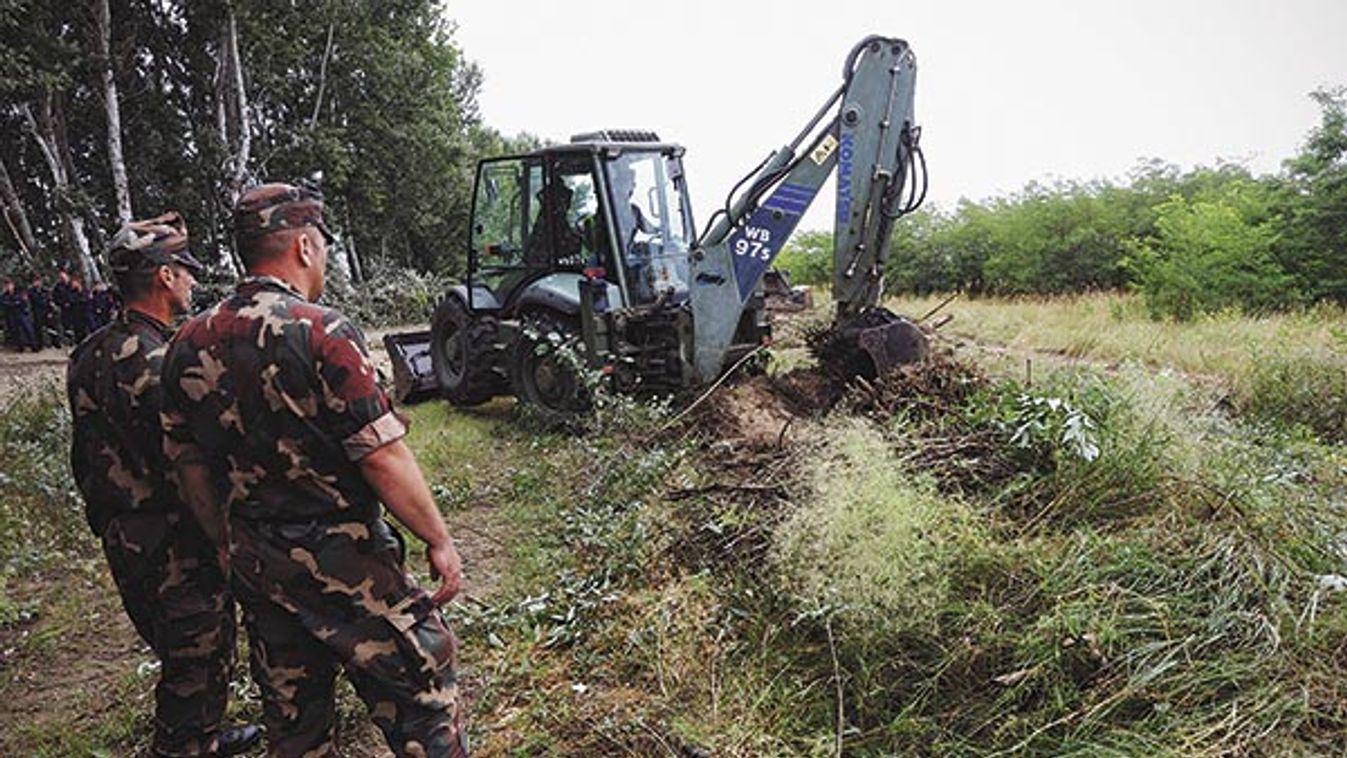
<point>178,600</point>
<point>320,597</point>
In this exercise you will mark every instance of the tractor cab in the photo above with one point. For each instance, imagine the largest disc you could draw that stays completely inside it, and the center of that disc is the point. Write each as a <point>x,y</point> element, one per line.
<point>577,250</point>
<point>610,206</point>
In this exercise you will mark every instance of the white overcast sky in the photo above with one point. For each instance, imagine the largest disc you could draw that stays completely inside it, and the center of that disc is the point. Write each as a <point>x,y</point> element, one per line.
<point>1007,92</point>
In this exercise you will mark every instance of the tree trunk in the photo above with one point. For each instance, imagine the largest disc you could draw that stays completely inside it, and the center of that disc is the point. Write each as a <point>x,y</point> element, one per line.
<point>227,257</point>
<point>233,124</point>
<point>119,182</point>
<point>91,226</point>
<point>352,257</point>
<point>244,124</point>
<point>73,223</point>
<point>16,219</point>
<point>322,78</point>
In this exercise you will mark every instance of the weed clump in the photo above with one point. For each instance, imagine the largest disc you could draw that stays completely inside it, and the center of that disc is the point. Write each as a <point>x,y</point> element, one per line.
<point>1303,387</point>
<point>872,538</point>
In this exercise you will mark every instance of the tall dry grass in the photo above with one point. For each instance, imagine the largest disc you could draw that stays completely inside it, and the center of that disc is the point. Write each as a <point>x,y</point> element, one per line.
<point>1115,328</point>
<point>1280,368</point>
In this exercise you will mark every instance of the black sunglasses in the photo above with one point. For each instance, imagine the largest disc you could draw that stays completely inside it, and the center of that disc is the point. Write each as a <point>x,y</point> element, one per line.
<point>328,236</point>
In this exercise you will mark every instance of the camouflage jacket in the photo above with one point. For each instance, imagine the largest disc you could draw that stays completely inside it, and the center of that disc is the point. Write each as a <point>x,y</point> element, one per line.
<point>278,396</point>
<point>113,386</point>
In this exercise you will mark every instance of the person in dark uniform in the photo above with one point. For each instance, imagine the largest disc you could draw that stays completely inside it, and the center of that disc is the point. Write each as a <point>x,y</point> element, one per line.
<point>103,303</point>
<point>81,309</point>
<point>62,295</point>
<point>46,324</point>
<point>288,451</point>
<point>18,317</point>
<point>171,582</point>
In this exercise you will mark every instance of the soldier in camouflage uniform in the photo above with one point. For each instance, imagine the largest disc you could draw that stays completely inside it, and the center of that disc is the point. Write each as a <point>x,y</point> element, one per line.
<point>170,581</point>
<point>274,419</point>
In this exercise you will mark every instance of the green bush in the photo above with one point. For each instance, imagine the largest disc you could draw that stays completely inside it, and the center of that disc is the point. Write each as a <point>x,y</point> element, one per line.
<point>41,514</point>
<point>389,296</point>
<point>807,259</point>
<point>1212,255</point>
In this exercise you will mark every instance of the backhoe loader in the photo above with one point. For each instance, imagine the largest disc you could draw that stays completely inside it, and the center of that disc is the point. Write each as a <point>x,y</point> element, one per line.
<point>584,259</point>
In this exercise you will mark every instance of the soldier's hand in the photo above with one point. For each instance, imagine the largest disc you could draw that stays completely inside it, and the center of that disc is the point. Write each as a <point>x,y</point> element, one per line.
<point>445,566</point>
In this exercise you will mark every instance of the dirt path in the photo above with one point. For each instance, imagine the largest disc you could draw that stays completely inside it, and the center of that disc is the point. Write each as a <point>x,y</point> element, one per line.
<point>25,372</point>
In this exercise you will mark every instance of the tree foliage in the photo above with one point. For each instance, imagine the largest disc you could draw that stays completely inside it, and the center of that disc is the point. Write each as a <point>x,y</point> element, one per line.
<point>1191,241</point>
<point>1209,255</point>
<point>1313,205</point>
<point>375,96</point>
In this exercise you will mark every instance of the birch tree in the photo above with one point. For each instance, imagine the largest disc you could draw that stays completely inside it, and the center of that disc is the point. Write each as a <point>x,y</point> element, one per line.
<point>16,219</point>
<point>232,123</point>
<point>43,130</point>
<point>103,34</point>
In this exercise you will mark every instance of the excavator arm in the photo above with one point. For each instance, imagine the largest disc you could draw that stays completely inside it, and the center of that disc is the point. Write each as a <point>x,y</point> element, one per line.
<point>865,132</point>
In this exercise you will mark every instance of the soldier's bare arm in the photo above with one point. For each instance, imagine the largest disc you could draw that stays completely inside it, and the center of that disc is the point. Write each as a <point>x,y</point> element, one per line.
<point>396,478</point>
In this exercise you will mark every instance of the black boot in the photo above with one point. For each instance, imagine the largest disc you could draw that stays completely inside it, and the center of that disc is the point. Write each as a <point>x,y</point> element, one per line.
<point>238,739</point>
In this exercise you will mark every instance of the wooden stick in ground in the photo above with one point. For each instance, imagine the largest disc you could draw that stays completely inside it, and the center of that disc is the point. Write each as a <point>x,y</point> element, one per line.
<point>939,307</point>
<point>711,389</point>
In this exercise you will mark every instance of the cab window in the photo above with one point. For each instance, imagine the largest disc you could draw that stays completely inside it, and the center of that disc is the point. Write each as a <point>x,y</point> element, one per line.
<point>505,211</point>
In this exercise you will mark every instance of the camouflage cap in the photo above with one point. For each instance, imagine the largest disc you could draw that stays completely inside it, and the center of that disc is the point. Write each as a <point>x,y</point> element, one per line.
<point>277,207</point>
<point>150,243</point>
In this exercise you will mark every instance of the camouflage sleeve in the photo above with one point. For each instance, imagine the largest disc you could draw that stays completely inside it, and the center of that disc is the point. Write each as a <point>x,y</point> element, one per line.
<point>82,444</point>
<point>359,413</point>
<point>180,444</point>
<point>142,392</point>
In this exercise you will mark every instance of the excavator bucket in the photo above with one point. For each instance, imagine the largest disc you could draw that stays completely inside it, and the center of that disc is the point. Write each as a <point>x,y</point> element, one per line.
<point>870,344</point>
<point>893,344</point>
<point>414,377</point>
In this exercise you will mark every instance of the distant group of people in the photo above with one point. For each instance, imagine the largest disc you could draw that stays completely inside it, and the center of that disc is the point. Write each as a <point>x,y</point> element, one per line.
<point>38,316</point>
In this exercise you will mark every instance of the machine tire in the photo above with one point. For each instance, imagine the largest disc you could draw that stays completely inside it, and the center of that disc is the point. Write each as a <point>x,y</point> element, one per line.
<point>464,354</point>
<point>545,366</point>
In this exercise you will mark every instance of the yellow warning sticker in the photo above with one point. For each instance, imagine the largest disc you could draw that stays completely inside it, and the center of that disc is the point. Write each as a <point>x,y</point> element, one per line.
<point>824,150</point>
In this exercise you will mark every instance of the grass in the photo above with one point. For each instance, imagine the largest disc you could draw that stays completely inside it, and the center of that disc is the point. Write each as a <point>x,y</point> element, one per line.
<point>1280,368</point>
<point>1115,328</point>
<point>1170,596</point>
<point>881,541</point>
<point>1183,628</point>
<point>972,582</point>
<point>41,514</point>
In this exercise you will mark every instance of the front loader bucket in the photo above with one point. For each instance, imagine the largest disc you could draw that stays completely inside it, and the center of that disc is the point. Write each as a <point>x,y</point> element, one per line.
<point>870,344</point>
<point>413,373</point>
